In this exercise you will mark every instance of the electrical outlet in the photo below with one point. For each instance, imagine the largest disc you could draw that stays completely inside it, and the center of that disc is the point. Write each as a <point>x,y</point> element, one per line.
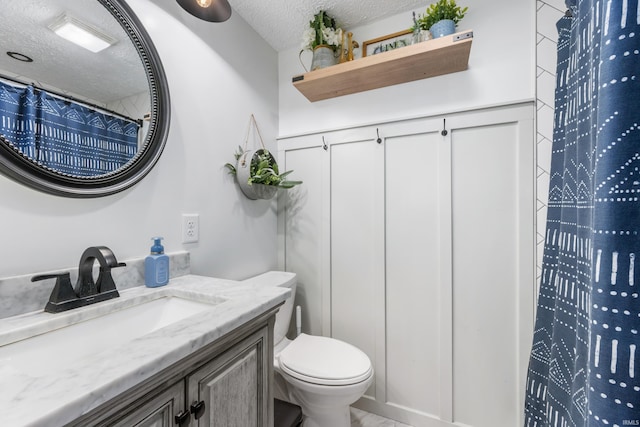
<point>190,228</point>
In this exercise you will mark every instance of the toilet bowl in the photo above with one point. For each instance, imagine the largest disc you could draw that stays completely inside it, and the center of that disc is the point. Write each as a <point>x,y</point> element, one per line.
<point>323,375</point>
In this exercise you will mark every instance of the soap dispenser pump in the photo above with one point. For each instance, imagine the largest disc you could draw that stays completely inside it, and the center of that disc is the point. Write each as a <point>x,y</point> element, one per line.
<point>156,265</point>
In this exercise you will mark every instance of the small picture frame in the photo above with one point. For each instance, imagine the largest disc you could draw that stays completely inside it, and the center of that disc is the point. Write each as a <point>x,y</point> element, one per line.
<point>386,43</point>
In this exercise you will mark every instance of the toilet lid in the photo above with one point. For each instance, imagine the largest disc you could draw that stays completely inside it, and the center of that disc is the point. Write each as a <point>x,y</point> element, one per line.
<point>325,361</point>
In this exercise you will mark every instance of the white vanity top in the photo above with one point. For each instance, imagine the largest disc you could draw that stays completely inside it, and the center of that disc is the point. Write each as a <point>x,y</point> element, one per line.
<point>56,397</point>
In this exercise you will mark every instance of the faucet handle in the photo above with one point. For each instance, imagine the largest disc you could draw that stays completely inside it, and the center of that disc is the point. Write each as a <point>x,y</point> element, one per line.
<point>62,291</point>
<point>105,279</point>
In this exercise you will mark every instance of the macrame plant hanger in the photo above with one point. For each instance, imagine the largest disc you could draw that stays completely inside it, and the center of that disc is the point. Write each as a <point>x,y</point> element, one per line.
<point>252,122</point>
<point>243,168</point>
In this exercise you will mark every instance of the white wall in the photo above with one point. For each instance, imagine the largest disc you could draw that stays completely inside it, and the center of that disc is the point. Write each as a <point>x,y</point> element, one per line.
<point>501,70</point>
<point>218,75</point>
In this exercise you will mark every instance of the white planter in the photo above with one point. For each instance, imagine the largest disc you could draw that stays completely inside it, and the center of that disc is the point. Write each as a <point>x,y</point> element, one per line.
<point>243,168</point>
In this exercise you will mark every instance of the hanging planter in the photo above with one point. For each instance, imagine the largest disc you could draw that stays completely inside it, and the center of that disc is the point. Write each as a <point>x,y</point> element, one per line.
<point>249,160</point>
<point>257,170</point>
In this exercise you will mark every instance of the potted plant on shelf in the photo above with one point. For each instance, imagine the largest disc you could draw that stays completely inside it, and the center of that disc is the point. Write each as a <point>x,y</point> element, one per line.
<point>323,38</point>
<point>441,18</point>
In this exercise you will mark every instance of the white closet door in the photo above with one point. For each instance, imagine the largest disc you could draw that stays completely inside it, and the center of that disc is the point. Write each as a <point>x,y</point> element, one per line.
<point>303,236</point>
<point>357,245</point>
<point>413,268</point>
<point>419,250</point>
<point>488,241</point>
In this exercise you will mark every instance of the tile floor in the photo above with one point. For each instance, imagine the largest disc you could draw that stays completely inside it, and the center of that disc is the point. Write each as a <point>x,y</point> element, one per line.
<point>365,419</point>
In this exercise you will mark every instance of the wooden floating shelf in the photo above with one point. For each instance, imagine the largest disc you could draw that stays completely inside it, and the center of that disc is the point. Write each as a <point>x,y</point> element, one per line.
<point>430,58</point>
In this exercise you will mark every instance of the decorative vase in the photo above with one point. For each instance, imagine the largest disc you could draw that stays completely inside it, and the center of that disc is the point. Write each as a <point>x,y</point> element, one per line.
<point>443,28</point>
<point>322,57</point>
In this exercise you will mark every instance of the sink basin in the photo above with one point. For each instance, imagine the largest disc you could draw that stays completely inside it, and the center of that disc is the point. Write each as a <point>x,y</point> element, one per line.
<point>61,348</point>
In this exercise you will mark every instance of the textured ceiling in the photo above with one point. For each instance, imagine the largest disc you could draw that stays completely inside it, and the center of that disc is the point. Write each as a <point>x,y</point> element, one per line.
<point>282,22</point>
<point>113,74</point>
<point>59,64</point>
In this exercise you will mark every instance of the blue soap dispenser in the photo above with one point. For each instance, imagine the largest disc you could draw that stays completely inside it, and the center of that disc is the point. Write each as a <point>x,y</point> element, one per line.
<point>156,265</point>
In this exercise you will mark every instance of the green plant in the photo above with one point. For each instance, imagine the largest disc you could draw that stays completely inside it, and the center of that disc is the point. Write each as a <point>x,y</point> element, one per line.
<point>322,31</point>
<point>263,169</point>
<point>442,9</point>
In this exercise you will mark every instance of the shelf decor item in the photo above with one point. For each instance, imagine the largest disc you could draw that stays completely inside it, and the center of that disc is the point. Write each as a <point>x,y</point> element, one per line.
<point>386,43</point>
<point>257,170</point>
<point>418,34</point>
<point>323,38</point>
<point>441,18</point>
<point>323,57</point>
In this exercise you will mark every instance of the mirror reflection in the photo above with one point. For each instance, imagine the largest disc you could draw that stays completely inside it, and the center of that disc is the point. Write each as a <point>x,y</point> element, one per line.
<point>76,109</point>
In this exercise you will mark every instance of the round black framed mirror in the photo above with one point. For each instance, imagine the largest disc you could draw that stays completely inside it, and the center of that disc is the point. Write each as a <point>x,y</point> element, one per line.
<point>119,88</point>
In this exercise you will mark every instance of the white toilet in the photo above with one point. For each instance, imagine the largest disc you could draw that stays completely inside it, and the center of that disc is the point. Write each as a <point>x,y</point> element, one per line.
<point>322,375</point>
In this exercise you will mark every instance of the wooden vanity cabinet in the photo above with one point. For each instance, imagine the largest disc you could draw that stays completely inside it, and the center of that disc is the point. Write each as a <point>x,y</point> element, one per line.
<point>160,411</point>
<point>227,383</point>
<point>232,387</point>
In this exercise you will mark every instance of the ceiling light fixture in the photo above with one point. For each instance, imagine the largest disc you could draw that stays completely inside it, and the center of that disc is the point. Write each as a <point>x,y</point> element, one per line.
<point>19,57</point>
<point>208,10</point>
<point>82,34</point>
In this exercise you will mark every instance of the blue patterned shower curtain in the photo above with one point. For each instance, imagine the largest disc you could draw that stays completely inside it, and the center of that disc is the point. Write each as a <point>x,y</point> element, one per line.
<point>584,368</point>
<point>65,136</point>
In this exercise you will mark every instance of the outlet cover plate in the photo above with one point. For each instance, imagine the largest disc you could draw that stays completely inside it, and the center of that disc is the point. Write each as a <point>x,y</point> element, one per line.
<point>190,228</point>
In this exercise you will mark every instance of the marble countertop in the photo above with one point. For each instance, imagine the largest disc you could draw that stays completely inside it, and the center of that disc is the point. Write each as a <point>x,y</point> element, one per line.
<point>56,398</point>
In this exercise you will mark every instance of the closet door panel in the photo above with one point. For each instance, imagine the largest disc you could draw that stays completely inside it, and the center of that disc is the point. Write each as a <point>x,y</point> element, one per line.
<point>357,180</point>
<point>485,179</point>
<point>303,234</point>
<point>419,250</point>
<point>413,268</point>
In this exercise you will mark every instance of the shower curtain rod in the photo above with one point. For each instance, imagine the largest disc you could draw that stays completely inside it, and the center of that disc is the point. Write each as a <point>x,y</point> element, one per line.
<point>71,98</point>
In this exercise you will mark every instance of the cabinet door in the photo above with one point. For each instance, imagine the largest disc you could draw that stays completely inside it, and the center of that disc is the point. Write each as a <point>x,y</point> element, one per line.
<point>416,166</point>
<point>357,245</point>
<point>160,411</point>
<point>234,386</point>
<point>302,219</point>
<point>492,270</point>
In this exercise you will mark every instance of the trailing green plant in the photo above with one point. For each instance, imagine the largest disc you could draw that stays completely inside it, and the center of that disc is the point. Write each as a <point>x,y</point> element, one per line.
<point>232,169</point>
<point>263,169</point>
<point>442,9</point>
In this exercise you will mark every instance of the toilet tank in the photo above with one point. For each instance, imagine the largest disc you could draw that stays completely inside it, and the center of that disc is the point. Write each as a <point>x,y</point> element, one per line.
<point>283,317</point>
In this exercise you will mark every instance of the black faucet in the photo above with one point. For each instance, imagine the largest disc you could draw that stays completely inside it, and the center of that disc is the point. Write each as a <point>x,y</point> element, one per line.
<point>64,297</point>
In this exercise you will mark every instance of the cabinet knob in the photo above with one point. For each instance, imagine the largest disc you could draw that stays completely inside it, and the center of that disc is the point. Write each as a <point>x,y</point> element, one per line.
<point>183,418</point>
<point>197,409</point>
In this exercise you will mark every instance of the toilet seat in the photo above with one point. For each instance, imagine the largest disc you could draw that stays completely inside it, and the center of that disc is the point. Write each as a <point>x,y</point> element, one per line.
<point>324,361</point>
